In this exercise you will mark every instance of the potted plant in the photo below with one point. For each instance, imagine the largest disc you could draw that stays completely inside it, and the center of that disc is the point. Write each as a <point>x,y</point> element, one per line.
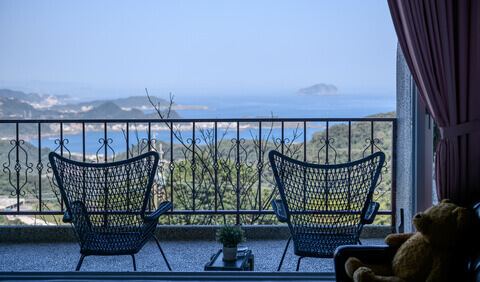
<point>230,236</point>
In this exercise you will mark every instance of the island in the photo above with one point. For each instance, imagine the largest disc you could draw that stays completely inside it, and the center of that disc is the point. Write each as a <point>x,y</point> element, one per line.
<point>320,89</point>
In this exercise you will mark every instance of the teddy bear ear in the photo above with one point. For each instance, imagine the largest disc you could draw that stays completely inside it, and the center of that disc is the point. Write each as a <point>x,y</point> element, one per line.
<point>463,218</point>
<point>446,201</point>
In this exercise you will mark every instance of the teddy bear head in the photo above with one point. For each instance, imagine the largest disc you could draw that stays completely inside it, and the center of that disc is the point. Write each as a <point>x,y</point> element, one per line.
<point>442,225</point>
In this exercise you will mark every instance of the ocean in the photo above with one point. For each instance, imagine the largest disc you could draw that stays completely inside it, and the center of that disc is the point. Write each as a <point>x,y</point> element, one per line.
<point>287,106</point>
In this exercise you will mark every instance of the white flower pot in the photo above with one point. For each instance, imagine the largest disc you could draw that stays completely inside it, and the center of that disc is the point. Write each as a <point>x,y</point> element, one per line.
<point>229,254</point>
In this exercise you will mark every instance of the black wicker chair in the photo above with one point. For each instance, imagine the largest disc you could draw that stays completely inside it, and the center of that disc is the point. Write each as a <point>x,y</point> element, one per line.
<point>325,206</point>
<point>106,204</point>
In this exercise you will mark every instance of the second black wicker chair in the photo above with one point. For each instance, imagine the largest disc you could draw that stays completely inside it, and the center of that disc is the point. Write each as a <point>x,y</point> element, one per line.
<point>106,203</point>
<point>325,206</point>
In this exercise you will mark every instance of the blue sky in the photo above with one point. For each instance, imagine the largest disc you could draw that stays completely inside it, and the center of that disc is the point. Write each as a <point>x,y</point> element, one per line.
<point>246,47</point>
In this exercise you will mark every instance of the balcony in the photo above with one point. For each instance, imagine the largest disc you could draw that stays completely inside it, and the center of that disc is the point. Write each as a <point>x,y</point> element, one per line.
<point>183,255</point>
<point>215,171</point>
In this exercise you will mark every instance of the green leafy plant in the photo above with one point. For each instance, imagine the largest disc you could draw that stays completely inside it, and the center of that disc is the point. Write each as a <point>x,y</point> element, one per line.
<point>230,235</point>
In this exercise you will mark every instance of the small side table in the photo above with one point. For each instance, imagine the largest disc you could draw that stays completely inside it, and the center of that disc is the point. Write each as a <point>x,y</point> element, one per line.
<point>243,263</point>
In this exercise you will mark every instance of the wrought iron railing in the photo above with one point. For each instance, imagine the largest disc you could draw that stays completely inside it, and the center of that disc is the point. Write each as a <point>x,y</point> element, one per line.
<point>213,170</point>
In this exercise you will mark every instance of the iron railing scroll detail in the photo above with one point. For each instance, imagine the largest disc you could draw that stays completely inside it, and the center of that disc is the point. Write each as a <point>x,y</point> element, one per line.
<point>214,171</point>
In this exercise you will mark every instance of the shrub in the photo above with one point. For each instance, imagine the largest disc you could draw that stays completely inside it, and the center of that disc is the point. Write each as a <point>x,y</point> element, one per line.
<point>230,235</point>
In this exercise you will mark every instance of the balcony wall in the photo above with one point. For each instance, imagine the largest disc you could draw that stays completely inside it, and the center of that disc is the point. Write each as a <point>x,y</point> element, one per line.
<point>46,234</point>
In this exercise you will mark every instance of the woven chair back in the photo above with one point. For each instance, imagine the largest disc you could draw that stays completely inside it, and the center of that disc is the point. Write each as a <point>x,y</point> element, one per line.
<point>112,194</point>
<point>326,199</point>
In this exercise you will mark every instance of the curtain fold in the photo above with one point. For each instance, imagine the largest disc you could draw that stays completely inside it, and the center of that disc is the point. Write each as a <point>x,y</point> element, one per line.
<point>441,44</point>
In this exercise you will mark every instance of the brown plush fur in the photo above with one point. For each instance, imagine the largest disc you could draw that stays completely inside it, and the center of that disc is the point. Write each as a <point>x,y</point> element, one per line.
<point>428,255</point>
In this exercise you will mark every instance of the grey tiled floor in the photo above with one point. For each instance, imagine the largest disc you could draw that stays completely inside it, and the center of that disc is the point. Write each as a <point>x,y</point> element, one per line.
<point>184,256</point>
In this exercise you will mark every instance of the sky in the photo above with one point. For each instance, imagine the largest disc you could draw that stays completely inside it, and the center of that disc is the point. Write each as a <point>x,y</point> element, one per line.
<point>190,47</point>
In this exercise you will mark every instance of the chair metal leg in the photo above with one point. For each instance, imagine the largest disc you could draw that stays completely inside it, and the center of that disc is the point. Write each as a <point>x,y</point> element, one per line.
<point>134,265</point>
<point>298,263</point>
<point>284,252</point>
<point>164,257</point>
<point>80,262</point>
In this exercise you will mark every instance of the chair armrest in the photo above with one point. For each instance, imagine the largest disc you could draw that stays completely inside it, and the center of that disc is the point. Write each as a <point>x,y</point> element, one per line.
<point>79,217</point>
<point>473,268</point>
<point>371,212</point>
<point>67,218</point>
<point>162,208</point>
<point>279,210</point>
<point>367,254</point>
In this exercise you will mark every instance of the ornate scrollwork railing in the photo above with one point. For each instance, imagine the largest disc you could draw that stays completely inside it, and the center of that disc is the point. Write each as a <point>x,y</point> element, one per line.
<point>213,170</point>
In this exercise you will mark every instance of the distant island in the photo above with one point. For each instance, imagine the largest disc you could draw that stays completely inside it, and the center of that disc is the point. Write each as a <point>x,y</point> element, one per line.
<point>128,103</point>
<point>20,105</point>
<point>318,90</point>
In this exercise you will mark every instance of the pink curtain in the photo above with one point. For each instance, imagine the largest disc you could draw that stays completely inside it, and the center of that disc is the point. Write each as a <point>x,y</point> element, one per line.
<point>441,43</point>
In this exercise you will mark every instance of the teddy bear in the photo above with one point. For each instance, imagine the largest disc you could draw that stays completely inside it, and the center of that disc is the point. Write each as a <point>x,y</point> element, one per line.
<point>433,253</point>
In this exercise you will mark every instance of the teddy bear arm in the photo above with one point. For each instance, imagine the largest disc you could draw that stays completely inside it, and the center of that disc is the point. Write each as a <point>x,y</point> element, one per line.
<point>396,240</point>
<point>353,264</point>
<point>365,274</point>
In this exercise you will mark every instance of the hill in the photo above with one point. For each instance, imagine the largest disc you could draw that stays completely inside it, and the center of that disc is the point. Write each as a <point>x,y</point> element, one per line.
<point>133,102</point>
<point>20,105</point>
<point>12,108</point>
<point>110,110</point>
<point>31,98</point>
<point>128,103</point>
<point>318,90</point>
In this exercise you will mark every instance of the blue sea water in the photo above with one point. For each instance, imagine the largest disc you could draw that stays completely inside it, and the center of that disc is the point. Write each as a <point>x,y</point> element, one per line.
<point>117,141</point>
<point>287,106</point>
